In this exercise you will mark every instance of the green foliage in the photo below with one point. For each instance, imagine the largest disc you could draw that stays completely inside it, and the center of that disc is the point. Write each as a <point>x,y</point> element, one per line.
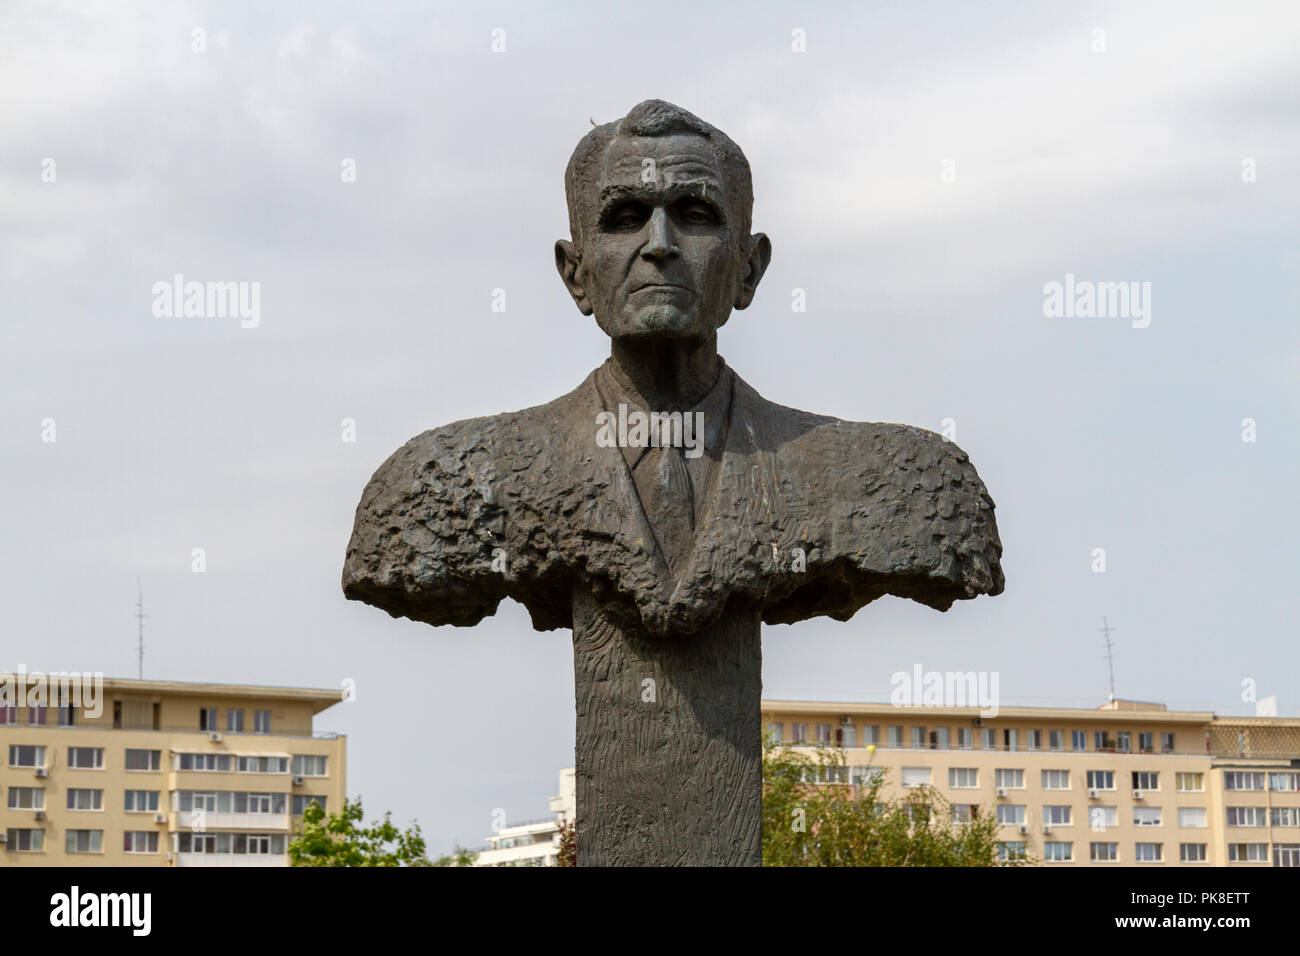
<point>340,840</point>
<point>458,857</point>
<point>568,852</point>
<point>827,824</point>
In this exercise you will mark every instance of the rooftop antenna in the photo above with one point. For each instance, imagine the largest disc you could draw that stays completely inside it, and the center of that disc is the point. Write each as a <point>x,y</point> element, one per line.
<point>1110,659</point>
<point>139,616</point>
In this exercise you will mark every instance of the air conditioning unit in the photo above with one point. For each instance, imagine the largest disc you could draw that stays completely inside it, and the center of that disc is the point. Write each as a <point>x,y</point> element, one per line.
<point>214,736</point>
<point>4,837</point>
<point>42,772</point>
<point>846,721</point>
<point>1002,791</point>
<point>979,721</point>
<point>297,780</point>
<point>1047,828</point>
<point>1093,794</point>
<point>1024,828</point>
<point>39,815</point>
<point>160,818</point>
<point>1138,794</point>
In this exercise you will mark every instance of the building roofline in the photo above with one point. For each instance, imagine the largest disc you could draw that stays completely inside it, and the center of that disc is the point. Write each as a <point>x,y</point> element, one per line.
<point>1074,713</point>
<point>319,697</point>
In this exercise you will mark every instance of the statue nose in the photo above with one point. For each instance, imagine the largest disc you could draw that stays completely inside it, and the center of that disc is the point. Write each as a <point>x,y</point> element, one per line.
<point>661,242</point>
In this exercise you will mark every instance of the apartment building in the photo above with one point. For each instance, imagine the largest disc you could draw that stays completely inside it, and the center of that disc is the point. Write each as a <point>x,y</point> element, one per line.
<point>163,773</point>
<point>533,842</point>
<point>1129,783</point>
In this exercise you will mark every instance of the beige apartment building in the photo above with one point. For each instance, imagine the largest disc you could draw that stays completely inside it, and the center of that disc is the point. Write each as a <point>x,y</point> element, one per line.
<point>1126,784</point>
<point>164,774</point>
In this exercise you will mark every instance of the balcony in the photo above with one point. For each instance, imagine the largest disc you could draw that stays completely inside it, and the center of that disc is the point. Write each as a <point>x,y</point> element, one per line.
<point>212,820</point>
<point>231,859</point>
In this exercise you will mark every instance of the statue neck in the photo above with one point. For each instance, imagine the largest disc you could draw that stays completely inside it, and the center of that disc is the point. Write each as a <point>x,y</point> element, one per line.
<point>668,374</point>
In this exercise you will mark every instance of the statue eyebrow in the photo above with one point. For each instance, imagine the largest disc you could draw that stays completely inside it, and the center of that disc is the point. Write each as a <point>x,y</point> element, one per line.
<point>701,190</point>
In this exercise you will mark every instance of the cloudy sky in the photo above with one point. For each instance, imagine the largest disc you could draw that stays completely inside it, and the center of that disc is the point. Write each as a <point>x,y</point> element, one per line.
<point>923,170</point>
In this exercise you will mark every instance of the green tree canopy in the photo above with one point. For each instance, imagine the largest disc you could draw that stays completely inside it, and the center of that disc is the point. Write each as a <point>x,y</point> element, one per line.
<point>340,840</point>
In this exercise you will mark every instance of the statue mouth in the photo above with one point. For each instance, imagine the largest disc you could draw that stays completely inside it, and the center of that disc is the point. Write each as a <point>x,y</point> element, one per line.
<point>662,287</point>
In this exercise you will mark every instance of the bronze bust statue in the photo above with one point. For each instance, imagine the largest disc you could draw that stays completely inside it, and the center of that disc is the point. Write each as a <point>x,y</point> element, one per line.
<point>663,508</point>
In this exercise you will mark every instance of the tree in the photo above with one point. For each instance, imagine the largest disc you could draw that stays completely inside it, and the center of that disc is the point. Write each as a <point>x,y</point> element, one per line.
<point>459,856</point>
<point>810,821</point>
<point>339,840</point>
<point>568,852</point>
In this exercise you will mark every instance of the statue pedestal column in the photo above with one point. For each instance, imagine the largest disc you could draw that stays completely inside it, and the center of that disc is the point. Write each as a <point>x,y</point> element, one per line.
<point>669,748</point>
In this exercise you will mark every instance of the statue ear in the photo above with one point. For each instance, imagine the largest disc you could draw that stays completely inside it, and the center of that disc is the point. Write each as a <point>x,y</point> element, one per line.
<point>760,254</point>
<point>566,261</point>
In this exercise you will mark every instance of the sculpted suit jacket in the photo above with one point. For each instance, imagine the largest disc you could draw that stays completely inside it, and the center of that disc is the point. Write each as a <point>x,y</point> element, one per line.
<point>805,515</point>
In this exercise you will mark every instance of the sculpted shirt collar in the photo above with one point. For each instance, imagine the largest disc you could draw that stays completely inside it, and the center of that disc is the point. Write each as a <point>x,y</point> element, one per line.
<point>715,406</point>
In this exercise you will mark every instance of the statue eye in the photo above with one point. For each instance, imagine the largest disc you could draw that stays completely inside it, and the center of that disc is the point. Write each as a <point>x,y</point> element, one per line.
<point>627,215</point>
<point>697,213</point>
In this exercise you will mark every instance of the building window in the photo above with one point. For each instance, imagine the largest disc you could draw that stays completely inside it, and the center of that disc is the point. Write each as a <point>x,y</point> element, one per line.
<point>915,776</point>
<point>1011,850</point>
<point>1078,740</point>
<point>776,731</point>
<point>141,801</point>
<point>1247,816</point>
<point>1242,780</point>
<point>895,735</point>
<point>261,721</point>
<point>1099,741</point>
<point>870,735</point>
<point>309,765</point>
<point>202,762</point>
<point>1145,742</point>
<point>1033,740</point>
<point>1283,781</point>
<point>1056,780</point>
<point>85,799</point>
<point>1101,780</point>
<point>23,755</point>
<point>263,764</point>
<point>140,841</point>
<point>1191,817</point>
<point>36,715</point>
<point>1054,852</point>
<point>300,801</point>
<point>1099,818</point>
<point>848,736</point>
<point>1285,816</point>
<point>67,715</point>
<point>1146,816</point>
<point>1167,743</point>
<point>1103,852</point>
<point>1146,780</point>
<point>800,732</point>
<point>1011,739</point>
<point>961,812</point>
<point>1286,854</point>
<point>143,759</point>
<point>8,714</point>
<point>234,720</point>
<point>963,778</point>
<point>1247,852</point>
<point>939,738</point>
<point>1011,779</point>
<point>918,738</point>
<point>25,840</point>
<point>865,776</point>
<point>1190,782</point>
<point>824,734</point>
<point>86,758</point>
<point>1056,739</point>
<point>1124,742</point>
<point>207,718</point>
<point>1010,814</point>
<point>1191,852</point>
<point>1057,815</point>
<point>965,738</point>
<point>1148,852</point>
<point>84,841</point>
<point>26,798</point>
<point>988,738</point>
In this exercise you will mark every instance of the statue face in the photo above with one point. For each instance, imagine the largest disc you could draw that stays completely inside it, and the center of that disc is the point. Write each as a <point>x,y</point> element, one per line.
<point>662,259</point>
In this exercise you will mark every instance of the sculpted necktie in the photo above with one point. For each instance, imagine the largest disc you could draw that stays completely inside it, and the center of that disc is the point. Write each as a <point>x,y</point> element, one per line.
<point>665,487</point>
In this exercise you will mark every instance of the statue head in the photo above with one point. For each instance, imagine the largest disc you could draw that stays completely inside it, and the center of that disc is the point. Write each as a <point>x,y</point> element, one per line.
<point>659,212</point>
